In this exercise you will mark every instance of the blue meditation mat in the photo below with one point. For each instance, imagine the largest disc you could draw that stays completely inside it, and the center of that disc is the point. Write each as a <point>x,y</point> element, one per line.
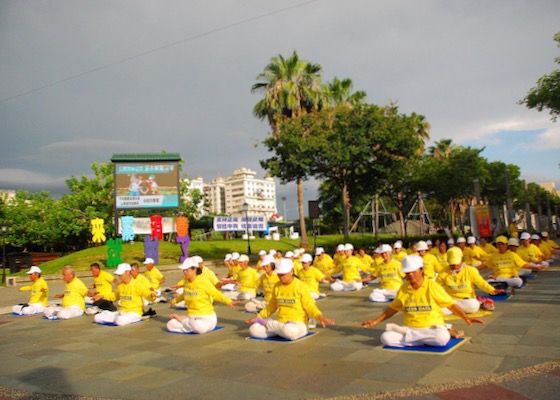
<point>29,315</point>
<point>498,297</point>
<point>217,328</point>
<point>281,339</point>
<point>452,345</point>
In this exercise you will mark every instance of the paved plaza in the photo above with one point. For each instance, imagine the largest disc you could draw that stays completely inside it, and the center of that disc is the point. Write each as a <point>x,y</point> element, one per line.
<point>514,355</point>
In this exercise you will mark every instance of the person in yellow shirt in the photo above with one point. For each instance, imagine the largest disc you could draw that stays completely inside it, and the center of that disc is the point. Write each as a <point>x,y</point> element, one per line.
<point>552,245</point>
<point>73,302</point>
<point>156,279</point>
<point>431,264</point>
<point>530,253</point>
<point>441,254</point>
<point>39,294</point>
<point>543,247</point>
<point>311,276</point>
<point>292,302</point>
<point>103,285</point>
<point>458,279</point>
<point>367,261</point>
<point>266,281</point>
<point>487,246</point>
<point>350,269</point>
<point>339,255</point>
<point>246,281</point>
<point>143,281</point>
<point>198,294</point>
<point>390,277</point>
<point>398,253</point>
<point>473,254</point>
<point>130,294</point>
<point>323,262</point>
<point>504,265</point>
<point>421,301</point>
<point>228,283</point>
<point>513,230</point>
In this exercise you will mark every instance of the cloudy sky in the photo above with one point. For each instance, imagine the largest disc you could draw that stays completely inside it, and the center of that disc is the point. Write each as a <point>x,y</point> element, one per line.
<point>82,80</point>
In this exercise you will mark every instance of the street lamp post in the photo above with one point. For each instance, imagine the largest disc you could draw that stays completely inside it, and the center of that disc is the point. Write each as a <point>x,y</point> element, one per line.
<point>4,231</point>
<point>245,208</point>
<point>284,202</point>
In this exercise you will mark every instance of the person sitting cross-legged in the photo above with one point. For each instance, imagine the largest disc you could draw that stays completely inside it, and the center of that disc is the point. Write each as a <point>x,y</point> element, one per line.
<point>39,294</point>
<point>421,300</point>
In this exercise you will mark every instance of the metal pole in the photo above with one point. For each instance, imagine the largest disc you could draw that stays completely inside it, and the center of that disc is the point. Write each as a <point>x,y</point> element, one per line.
<point>247,230</point>
<point>284,202</point>
<point>4,228</point>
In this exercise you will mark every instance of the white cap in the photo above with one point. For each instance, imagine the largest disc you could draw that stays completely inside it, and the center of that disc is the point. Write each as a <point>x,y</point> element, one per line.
<point>272,252</point>
<point>296,253</point>
<point>513,242</point>
<point>421,245</point>
<point>450,242</point>
<point>429,242</point>
<point>306,258</point>
<point>197,259</point>
<point>411,263</point>
<point>122,268</point>
<point>471,240</point>
<point>348,246</point>
<point>235,256</point>
<point>267,260</point>
<point>243,258</point>
<point>340,247</point>
<point>289,254</point>
<point>385,248</point>
<point>397,245</point>
<point>188,263</point>
<point>535,237</point>
<point>544,234</point>
<point>227,257</point>
<point>283,266</point>
<point>148,261</point>
<point>525,236</point>
<point>34,270</point>
<point>319,250</point>
<point>377,250</point>
<point>262,253</point>
<point>461,240</point>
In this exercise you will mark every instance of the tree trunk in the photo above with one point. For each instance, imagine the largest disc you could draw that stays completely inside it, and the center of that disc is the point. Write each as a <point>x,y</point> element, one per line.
<point>401,214</point>
<point>302,228</point>
<point>345,211</point>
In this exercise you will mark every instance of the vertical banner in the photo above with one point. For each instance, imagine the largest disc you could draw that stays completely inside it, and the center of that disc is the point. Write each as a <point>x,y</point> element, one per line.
<point>482,217</point>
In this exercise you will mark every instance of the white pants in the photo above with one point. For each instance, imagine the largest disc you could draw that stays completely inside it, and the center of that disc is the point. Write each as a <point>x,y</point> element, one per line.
<point>436,336</point>
<point>35,308</point>
<point>288,330</point>
<point>382,295</point>
<point>58,312</point>
<point>541,265</point>
<point>119,318</point>
<point>229,287</point>
<point>255,305</point>
<point>242,296</point>
<point>469,306</point>
<point>341,286</point>
<point>515,282</point>
<point>193,324</point>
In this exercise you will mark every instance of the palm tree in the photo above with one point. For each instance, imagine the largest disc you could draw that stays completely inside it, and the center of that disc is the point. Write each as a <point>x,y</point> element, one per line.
<point>339,92</point>
<point>292,87</point>
<point>442,149</point>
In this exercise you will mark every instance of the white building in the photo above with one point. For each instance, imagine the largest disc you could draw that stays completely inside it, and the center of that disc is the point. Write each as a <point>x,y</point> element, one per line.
<point>226,195</point>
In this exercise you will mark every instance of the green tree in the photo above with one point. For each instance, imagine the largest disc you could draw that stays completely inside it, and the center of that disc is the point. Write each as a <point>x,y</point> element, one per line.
<point>292,88</point>
<point>546,94</point>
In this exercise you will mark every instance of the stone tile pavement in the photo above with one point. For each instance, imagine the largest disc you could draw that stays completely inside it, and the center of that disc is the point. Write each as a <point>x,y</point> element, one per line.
<point>514,355</point>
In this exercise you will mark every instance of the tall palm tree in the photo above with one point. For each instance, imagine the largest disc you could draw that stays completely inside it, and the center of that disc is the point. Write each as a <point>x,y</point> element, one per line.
<point>339,92</point>
<point>292,87</point>
<point>442,148</point>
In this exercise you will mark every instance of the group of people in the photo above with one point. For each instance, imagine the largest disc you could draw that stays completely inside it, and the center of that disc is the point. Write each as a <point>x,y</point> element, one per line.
<point>426,282</point>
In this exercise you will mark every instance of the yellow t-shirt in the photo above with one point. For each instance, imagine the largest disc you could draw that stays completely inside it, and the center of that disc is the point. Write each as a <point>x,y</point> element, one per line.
<point>142,280</point>
<point>422,307</point>
<point>460,284</point>
<point>155,277</point>
<point>431,266</point>
<point>293,303</point>
<point>311,278</point>
<point>103,283</point>
<point>350,268</point>
<point>390,275</point>
<point>326,265</point>
<point>248,280</point>
<point>489,249</point>
<point>400,255</point>
<point>367,261</point>
<point>543,247</point>
<point>530,254</point>
<point>130,296</point>
<point>74,293</point>
<point>442,259</point>
<point>198,296</point>
<point>505,265</point>
<point>474,255</point>
<point>37,294</point>
<point>267,282</point>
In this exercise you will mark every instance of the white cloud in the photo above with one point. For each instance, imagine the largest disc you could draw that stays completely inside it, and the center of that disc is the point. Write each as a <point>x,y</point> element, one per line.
<point>548,140</point>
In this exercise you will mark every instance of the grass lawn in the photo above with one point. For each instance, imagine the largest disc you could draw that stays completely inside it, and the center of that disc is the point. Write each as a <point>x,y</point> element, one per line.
<point>169,253</point>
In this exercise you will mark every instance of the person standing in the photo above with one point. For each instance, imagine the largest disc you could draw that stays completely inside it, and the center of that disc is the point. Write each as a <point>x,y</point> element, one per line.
<point>39,294</point>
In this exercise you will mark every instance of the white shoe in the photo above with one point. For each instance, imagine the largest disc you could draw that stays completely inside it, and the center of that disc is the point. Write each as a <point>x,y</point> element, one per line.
<point>312,324</point>
<point>93,310</point>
